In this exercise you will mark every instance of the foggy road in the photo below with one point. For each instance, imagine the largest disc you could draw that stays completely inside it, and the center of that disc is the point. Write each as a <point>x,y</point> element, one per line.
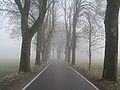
<point>59,76</point>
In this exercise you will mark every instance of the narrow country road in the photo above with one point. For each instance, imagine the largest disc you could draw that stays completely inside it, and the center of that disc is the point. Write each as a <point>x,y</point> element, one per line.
<point>59,76</point>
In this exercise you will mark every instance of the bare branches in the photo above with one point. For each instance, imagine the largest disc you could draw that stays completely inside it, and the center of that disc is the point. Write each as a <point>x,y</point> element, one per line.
<point>50,4</point>
<point>11,11</point>
<point>19,5</point>
<point>40,18</point>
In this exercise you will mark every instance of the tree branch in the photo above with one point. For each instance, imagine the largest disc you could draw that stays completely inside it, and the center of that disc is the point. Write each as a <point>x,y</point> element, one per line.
<point>7,10</point>
<point>19,5</point>
<point>27,7</point>
<point>40,19</point>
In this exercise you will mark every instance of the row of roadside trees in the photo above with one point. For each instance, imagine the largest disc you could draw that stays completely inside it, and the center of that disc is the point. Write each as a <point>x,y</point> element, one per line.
<point>85,17</point>
<point>82,18</point>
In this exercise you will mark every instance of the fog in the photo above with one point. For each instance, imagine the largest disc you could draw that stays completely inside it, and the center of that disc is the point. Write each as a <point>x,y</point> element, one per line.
<point>10,49</point>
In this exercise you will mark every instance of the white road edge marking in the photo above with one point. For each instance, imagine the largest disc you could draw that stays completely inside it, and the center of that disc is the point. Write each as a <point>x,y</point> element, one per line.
<point>83,77</point>
<point>36,77</point>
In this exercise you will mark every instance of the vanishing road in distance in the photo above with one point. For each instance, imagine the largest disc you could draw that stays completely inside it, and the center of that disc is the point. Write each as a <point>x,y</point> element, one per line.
<point>58,76</point>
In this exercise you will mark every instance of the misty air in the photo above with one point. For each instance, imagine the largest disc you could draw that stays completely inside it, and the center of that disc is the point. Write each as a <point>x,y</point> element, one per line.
<point>59,44</point>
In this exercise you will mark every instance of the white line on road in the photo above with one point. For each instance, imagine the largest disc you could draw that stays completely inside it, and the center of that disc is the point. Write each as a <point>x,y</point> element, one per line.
<point>83,77</point>
<point>36,77</point>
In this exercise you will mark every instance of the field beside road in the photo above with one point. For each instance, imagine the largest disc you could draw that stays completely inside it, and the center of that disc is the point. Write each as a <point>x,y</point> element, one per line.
<point>96,68</point>
<point>8,68</point>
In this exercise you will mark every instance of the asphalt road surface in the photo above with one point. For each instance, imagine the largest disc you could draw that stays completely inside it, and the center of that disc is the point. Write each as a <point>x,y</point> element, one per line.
<point>59,76</point>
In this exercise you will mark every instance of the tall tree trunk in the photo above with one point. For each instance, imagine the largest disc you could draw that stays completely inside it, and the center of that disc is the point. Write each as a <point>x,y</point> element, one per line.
<point>26,45</point>
<point>111,44</point>
<point>38,48</point>
<point>25,55</point>
<point>43,45</point>
<point>90,42</point>
<point>73,43</point>
<point>66,27</point>
<point>66,52</point>
<point>43,56</point>
<point>38,52</point>
<point>69,54</point>
<point>75,19</point>
<point>49,51</point>
<point>59,52</point>
<point>89,57</point>
<point>69,46</point>
<point>53,49</point>
<point>68,60</point>
<point>48,47</point>
<point>69,39</point>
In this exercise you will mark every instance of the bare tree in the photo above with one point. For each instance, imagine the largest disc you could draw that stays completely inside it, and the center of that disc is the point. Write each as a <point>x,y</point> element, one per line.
<point>67,18</point>
<point>77,11</point>
<point>51,29</point>
<point>29,25</point>
<point>38,46</point>
<point>59,40</point>
<point>40,37</point>
<point>93,33</point>
<point>44,35</point>
<point>28,32</point>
